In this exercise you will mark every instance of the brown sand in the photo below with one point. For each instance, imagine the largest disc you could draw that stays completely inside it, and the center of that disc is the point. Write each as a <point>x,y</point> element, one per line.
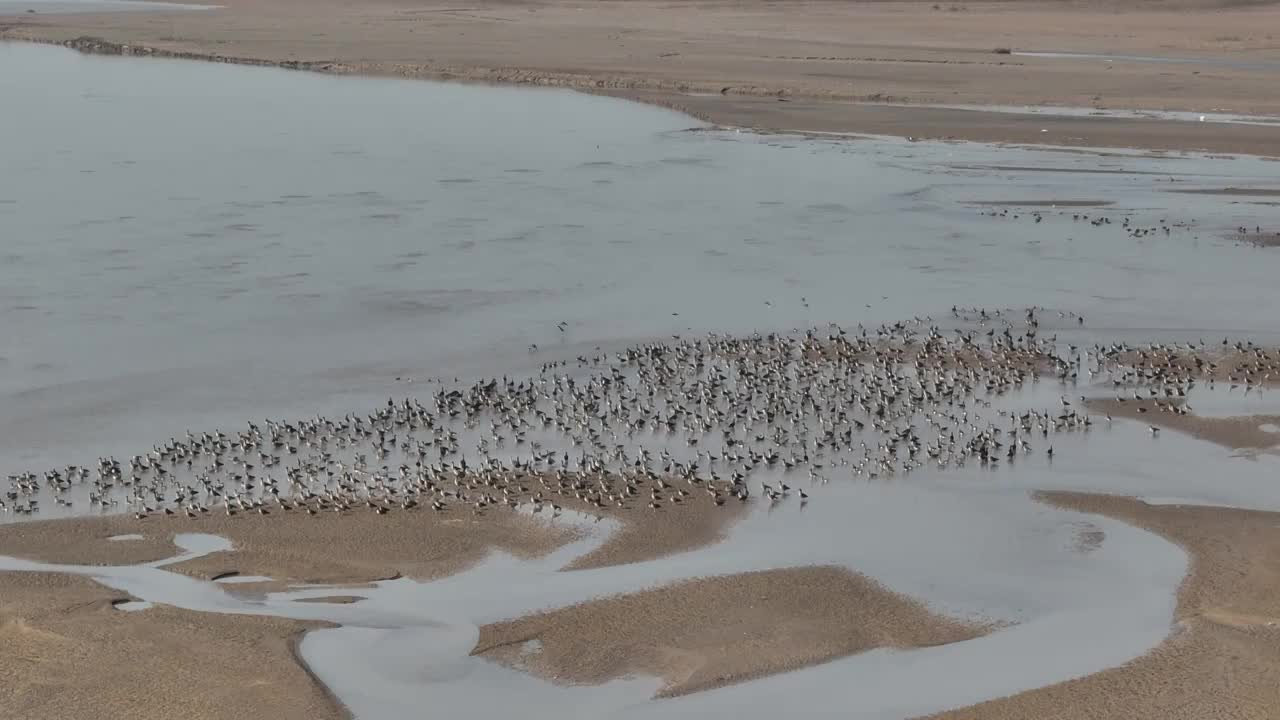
<point>1237,433</point>
<point>1216,363</point>
<point>710,632</point>
<point>352,547</point>
<point>648,534</point>
<point>734,63</point>
<point>1223,660</point>
<point>358,546</point>
<point>66,653</point>
<point>333,599</point>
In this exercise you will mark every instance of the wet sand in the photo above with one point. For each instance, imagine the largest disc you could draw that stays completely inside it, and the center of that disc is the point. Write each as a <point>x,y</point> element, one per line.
<point>333,599</point>
<point>648,534</point>
<point>1238,433</point>
<point>844,68</point>
<point>711,632</point>
<point>65,652</point>
<point>333,549</point>
<point>359,546</point>
<point>1223,658</point>
<point>79,637</point>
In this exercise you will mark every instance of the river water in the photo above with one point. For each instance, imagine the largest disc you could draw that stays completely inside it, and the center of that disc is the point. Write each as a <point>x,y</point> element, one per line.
<point>187,246</point>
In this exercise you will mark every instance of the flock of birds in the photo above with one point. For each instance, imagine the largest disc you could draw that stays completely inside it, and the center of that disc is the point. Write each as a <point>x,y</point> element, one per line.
<point>711,419</point>
<point>1134,231</point>
<point>1256,235</point>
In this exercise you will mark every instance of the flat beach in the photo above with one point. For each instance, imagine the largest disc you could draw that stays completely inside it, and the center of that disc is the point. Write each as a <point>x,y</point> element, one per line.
<point>902,68</point>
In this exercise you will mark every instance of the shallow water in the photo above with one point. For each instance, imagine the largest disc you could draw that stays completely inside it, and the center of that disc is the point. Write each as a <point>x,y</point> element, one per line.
<point>188,246</point>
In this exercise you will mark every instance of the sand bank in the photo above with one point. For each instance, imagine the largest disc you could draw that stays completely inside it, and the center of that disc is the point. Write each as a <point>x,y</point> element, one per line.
<point>710,632</point>
<point>1238,433</point>
<point>65,652</point>
<point>348,548</point>
<point>736,64</point>
<point>648,534</point>
<point>359,546</point>
<point>1223,658</point>
<point>79,627</point>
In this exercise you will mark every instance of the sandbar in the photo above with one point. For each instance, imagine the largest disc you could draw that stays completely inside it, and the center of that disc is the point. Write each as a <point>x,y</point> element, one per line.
<point>66,653</point>
<point>875,67</point>
<point>710,632</point>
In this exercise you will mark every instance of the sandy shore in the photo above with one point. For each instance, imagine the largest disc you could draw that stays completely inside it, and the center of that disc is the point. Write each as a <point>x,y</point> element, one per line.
<point>1223,659</point>
<point>735,64</point>
<point>706,633</point>
<point>1238,433</point>
<point>65,652</point>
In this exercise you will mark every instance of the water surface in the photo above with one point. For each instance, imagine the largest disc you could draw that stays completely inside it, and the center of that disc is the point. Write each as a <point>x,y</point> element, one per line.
<point>188,245</point>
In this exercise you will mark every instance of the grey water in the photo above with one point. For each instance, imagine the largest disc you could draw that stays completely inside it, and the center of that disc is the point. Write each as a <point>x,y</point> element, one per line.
<point>190,245</point>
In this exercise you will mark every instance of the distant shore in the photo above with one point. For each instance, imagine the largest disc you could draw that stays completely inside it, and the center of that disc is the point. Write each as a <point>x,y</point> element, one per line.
<point>883,68</point>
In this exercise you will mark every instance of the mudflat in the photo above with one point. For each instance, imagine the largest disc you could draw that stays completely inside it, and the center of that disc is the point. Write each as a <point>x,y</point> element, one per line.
<point>874,67</point>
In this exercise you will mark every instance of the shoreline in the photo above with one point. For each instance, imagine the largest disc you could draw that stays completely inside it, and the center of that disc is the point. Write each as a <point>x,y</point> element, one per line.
<point>793,102</point>
<point>1221,655</point>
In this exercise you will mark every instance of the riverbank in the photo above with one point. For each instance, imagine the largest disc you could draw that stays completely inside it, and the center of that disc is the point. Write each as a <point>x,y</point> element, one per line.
<point>877,68</point>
